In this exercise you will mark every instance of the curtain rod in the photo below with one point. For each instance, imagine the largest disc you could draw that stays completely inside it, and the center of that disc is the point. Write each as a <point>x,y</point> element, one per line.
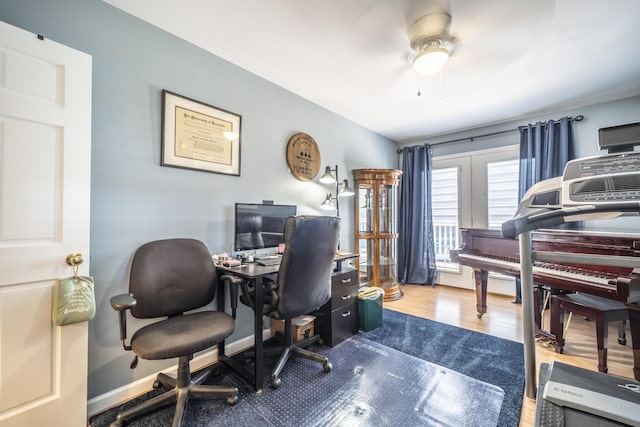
<point>577,118</point>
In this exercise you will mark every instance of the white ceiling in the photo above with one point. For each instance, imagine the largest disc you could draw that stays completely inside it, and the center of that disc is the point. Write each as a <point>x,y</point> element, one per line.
<point>513,59</point>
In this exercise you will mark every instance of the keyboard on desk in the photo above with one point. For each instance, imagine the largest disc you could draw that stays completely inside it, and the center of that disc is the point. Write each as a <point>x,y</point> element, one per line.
<point>268,260</point>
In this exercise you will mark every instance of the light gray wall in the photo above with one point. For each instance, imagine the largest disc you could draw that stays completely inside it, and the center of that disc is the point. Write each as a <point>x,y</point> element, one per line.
<point>586,132</point>
<point>134,199</point>
<point>596,116</point>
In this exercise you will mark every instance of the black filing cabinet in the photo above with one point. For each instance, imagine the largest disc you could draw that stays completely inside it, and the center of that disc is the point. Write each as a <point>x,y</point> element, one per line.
<point>337,320</point>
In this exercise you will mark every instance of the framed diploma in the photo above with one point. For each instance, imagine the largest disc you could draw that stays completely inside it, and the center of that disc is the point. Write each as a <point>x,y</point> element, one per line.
<point>199,136</point>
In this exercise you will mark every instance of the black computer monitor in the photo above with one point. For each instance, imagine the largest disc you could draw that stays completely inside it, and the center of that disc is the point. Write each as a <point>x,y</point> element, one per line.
<point>260,225</point>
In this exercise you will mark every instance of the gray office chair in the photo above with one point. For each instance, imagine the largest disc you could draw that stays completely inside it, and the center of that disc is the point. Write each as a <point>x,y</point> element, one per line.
<point>303,283</point>
<point>169,278</point>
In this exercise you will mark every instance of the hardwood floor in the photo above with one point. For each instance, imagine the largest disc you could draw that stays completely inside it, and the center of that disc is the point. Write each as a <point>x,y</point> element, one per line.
<point>503,319</point>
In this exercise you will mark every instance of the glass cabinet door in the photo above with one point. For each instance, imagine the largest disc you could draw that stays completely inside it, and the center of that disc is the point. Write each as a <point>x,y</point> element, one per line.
<point>376,228</point>
<point>365,209</point>
<point>388,264</point>
<point>388,206</point>
<point>366,261</point>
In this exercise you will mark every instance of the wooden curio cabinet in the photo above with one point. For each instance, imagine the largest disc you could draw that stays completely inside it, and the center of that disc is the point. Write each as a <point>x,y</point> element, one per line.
<point>376,228</point>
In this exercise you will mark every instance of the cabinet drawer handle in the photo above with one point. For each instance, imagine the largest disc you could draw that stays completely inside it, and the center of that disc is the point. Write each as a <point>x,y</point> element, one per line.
<point>346,314</point>
<point>345,297</point>
<point>346,280</point>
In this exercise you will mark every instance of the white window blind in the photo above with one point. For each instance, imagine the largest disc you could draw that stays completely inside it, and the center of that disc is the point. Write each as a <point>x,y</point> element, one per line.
<point>502,191</point>
<point>444,199</point>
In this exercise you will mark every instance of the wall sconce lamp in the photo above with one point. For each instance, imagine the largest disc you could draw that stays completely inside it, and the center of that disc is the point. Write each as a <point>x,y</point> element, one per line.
<point>342,189</point>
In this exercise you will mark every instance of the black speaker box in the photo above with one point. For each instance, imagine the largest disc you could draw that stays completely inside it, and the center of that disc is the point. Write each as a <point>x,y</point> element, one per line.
<point>619,138</point>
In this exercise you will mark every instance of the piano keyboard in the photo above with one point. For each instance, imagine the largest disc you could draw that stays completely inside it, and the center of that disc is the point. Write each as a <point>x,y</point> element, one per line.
<point>548,269</point>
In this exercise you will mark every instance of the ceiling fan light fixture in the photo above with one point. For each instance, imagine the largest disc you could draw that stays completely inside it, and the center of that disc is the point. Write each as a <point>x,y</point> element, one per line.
<point>430,38</point>
<point>430,60</point>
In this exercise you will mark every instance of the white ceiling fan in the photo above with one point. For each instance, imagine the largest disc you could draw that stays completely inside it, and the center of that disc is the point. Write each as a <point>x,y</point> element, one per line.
<point>429,36</point>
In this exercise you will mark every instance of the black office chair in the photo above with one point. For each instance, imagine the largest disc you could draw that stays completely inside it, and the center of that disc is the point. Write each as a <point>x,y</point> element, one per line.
<point>249,231</point>
<point>167,279</point>
<point>303,283</point>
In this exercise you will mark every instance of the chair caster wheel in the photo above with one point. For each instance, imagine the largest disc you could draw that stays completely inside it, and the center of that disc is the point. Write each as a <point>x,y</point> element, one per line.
<point>156,385</point>
<point>327,366</point>
<point>232,400</point>
<point>275,383</point>
<point>320,341</point>
<point>622,341</point>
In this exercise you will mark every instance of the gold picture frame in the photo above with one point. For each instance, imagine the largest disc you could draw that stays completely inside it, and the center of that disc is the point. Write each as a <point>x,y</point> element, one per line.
<point>199,136</point>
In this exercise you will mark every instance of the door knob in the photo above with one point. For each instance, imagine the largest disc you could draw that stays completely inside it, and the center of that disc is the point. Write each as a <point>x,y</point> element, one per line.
<point>74,259</point>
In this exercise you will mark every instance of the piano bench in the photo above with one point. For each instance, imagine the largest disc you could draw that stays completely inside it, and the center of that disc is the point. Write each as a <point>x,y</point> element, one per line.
<point>601,310</point>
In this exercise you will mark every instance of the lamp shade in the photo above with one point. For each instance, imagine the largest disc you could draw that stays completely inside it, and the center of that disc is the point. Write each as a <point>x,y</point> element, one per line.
<point>346,190</point>
<point>328,177</point>
<point>430,60</point>
<point>328,205</point>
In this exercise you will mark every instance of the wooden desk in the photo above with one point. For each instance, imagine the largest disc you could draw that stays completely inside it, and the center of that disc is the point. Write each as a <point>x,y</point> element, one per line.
<point>256,273</point>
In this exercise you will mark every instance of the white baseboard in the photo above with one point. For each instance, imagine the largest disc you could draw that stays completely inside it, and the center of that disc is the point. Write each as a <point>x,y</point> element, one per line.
<point>122,394</point>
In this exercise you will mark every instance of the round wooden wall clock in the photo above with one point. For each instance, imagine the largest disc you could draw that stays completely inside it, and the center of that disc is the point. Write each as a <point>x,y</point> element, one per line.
<point>303,157</point>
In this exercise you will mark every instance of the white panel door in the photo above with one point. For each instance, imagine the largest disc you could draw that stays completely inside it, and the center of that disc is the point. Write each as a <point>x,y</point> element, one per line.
<point>45,155</point>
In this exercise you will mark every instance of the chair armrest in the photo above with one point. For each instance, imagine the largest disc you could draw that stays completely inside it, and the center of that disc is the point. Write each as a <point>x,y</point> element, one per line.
<point>269,291</point>
<point>123,302</point>
<point>269,285</point>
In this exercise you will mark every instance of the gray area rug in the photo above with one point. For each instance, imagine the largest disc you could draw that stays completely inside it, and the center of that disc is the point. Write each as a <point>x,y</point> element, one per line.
<point>373,385</point>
